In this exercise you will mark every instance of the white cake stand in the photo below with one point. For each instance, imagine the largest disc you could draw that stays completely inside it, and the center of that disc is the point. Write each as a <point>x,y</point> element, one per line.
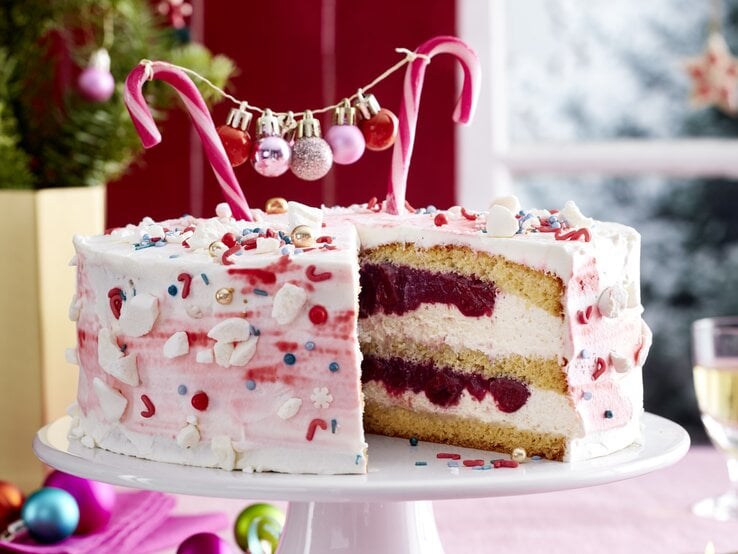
<point>386,510</point>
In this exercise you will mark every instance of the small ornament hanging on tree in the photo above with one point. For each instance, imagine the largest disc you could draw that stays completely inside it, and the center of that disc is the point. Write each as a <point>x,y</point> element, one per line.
<point>177,12</point>
<point>235,136</point>
<point>311,155</point>
<point>714,74</point>
<point>96,83</point>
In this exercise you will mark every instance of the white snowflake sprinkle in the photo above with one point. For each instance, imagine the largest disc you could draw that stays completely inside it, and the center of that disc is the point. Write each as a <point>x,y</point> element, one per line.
<point>321,397</point>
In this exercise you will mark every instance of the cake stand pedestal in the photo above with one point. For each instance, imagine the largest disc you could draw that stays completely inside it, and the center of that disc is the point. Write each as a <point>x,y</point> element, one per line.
<point>387,510</point>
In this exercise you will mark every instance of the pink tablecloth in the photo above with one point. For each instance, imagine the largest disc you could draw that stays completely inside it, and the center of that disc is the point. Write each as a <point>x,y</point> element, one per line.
<point>650,514</point>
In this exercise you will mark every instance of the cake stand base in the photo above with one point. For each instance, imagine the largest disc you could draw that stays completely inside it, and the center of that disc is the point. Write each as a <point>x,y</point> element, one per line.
<point>360,528</point>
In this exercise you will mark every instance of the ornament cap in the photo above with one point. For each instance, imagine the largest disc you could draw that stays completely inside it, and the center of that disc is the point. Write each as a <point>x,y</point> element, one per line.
<point>368,105</point>
<point>308,126</point>
<point>239,118</point>
<point>100,60</point>
<point>344,114</point>
<point>268,125</point>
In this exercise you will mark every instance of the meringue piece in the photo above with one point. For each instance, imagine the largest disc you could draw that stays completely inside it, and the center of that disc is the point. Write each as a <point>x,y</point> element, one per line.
<point>613,301</point>
<point>244,351</point>
<point>501,222</point>
<point>71,356</point>
<point>264,245</point>
<point>177,345</point>
<point>223,352</point>
<point>113,361</point>
<point>224,452</point>
<point>510,202</point>
<point>290,408</point>
<point>300,214</point>
<point>622,364</point>
<point>223,210</point>
<point>188,436</point>
<point>288,303</point>
<point>75,306</point>
<point>574,216</point>
<point>112,402</point>
<point>138,314</point>
<point>233,329</point>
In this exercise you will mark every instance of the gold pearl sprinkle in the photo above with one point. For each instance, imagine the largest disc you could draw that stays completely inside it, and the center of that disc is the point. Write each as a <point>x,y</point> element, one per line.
<point>276,205</point>
<point>302,236</point>
<point>519,455</point>
<point>224,296</point>
<point>217,248</point>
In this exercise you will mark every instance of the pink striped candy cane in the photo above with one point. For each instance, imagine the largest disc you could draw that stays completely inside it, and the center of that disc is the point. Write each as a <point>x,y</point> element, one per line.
<point>408,116</point>
<point>195,105</point>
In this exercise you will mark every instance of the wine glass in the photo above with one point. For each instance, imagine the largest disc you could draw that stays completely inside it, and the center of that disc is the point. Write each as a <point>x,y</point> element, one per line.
<point>715,357</point>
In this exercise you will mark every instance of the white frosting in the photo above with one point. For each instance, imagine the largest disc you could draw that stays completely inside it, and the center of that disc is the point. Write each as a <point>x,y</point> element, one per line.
<point>205,356</point>
<point>289,408</point>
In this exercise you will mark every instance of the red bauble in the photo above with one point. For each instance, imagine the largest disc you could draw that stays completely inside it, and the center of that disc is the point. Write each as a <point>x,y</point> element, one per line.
<point>11,501</point>
<point>380,130</point>
<point>237,144</point>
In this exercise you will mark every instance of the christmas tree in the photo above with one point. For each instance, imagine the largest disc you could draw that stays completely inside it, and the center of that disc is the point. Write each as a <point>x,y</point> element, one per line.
<point>59,126</point>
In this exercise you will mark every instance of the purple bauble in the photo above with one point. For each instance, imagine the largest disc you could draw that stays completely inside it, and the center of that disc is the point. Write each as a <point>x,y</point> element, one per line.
<point>347,143</point>
<point>96,84</point>
<point>270,156</point>
<point>204,543</point>
<point>95,500</point>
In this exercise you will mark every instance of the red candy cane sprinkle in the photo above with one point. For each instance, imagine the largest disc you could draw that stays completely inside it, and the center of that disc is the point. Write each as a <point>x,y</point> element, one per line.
<point>467,215</point>
<point>324,239</point>
<point>448,456</point>
<point>271,234</point>
<point>249,244</point>
<point>318,315</point>
<point>186,280</point>
<point>576,234</point>
<point>115,297</point>
<point>200,401</point>
<point>473,463</point>
<point>311,274</point>
<point>150,408</point>
<point>312,427</point>
<point>409,207</point>
<point>584,315</point>
<point>600,367</point>
<point>504,463</point>
<point>225,258</point>
<point>372,202</point>
<point>229,239</point>
<point>440,220</point>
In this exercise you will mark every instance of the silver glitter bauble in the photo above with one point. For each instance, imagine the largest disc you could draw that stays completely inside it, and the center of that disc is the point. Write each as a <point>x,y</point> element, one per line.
<point>312,158</point>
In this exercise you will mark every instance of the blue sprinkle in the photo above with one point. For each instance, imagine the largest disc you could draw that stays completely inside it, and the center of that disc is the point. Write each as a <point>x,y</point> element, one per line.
<point>172,290</point>
<point>159,243</point>
<point>535,458</point>
<point>174,256</point>
<point>608,414</point>
<point>287,240</point>
<point>358,459</point>
<point>182,390</point>
<point>245,232</point>
<point>413,441</point>
<point>285,251</point>
<point>421,463</point>
<point>333,366</point>
<point>254,331</point>
<point>587,395</point>
<point>556,225</point>
<point>146,238</point>
<point>552,219</point>
<point>420,211</point>
<point>123,294</point>
<point>521,213</point>
<point>250,384</point>
<point>452,463</point>
<point>483,468</point>
<point>205,278</point>
<point>298,250</point>
<point>123,347</point>
<point>584,354</point>
<point>261,292</point>
<point>431,209</point>
<point>309,345</point>
<point>484,230</point>
<point>290,359</point>
<point>258,230</point>
<point>334,425</point>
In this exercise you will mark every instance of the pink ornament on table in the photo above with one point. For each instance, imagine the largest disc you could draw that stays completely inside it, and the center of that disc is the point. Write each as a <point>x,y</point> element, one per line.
<point>196,107</point>
<point>270,154</point>
<point>344,137</point>
<point>204,543</point>
<point>413,87</point>
<point>95,500</point>
<point>96,83</point>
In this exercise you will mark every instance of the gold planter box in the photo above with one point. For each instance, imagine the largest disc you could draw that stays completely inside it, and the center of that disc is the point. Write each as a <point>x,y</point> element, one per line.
<point>36,287</point>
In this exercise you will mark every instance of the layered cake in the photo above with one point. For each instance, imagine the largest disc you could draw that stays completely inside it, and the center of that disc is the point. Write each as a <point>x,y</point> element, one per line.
<point>274,345</point>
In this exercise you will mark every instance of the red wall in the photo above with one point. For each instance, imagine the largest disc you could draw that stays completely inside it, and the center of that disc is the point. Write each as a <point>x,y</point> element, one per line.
<point>277,47</point>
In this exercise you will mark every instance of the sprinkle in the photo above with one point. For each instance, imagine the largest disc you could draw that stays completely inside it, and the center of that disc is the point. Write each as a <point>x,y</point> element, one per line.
<point>313,425</point>
<point>483,468</point>
<point>440,220</point>
<point>150,408</point>
<point>576,234</point>
<point>334,425</point>
<point>284,251</point>
<point>298,250</point>
<point>358,459</point>
<point>333,366</point>
<point>587,395</point>
<point>160,243</point>
<point>290,358</point>
<point>309,345</point>
<point>448,455</point>
<point>409,206</point>
<point>182,390</point>
<point>468,215</point>
<point>505,463</point>
<point>200,401</point>
<point>311,274</point>
<point>536,458</point>
<point>600,367</point>
<point>413,441</point>
<point>225,258</point>
<point>172,256</point>
<point>608,414</point>
<point>584,354</point>
<point>250,384</point>
<point>584,315</point>
<point>431,209</point>
<point>261,292</point>
<point>205,278</point>
<point>420,463</point>
<point>123,347</point>
<point>318,315</point>
<point>324,239</point>
<point>116,298</point>
<point>172,290</point>
<point>253,331</point>
<point>452,463</point>
<point>186,280</point>
<point>372,202</point>
<point>473,463</point>
<point>555,225</point>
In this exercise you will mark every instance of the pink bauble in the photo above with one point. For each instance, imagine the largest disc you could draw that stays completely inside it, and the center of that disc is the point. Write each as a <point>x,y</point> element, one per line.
<point>347,143</point>
<point>270,156</point>
<point>204,543</point>
<point>96,84</point>
<point>95,500</point>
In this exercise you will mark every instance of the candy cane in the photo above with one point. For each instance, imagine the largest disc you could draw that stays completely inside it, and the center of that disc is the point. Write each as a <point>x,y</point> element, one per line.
<point>195,105</point>
<point>408,119</point>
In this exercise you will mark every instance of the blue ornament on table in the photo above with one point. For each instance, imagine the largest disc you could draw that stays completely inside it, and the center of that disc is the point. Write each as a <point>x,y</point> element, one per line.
<point>50,515</point>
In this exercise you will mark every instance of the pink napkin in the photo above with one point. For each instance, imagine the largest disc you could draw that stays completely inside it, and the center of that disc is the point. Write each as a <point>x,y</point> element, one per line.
<point>141,523</point>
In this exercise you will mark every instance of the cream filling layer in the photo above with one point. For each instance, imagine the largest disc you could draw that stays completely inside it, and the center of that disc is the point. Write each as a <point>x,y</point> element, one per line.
<point>544,412</point>
<point>515,327</point>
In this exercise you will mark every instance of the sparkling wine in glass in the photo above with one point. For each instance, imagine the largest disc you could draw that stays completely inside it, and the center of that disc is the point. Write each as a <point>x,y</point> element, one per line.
<point>715,354</point>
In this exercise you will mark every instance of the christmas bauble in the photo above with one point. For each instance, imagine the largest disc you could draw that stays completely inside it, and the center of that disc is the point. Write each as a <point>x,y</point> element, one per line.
<point>11,501</point>
<point>270,156</point>
<point>347,143</point>
<point>204,543</point>
<point>50,514</point>
<point>256,523</point>
<point>237,144</point>
<point>380,130</point>
<point>96,84</point>
<point>94,499</point>
<point>311,158</point>
<point>276,205</point>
